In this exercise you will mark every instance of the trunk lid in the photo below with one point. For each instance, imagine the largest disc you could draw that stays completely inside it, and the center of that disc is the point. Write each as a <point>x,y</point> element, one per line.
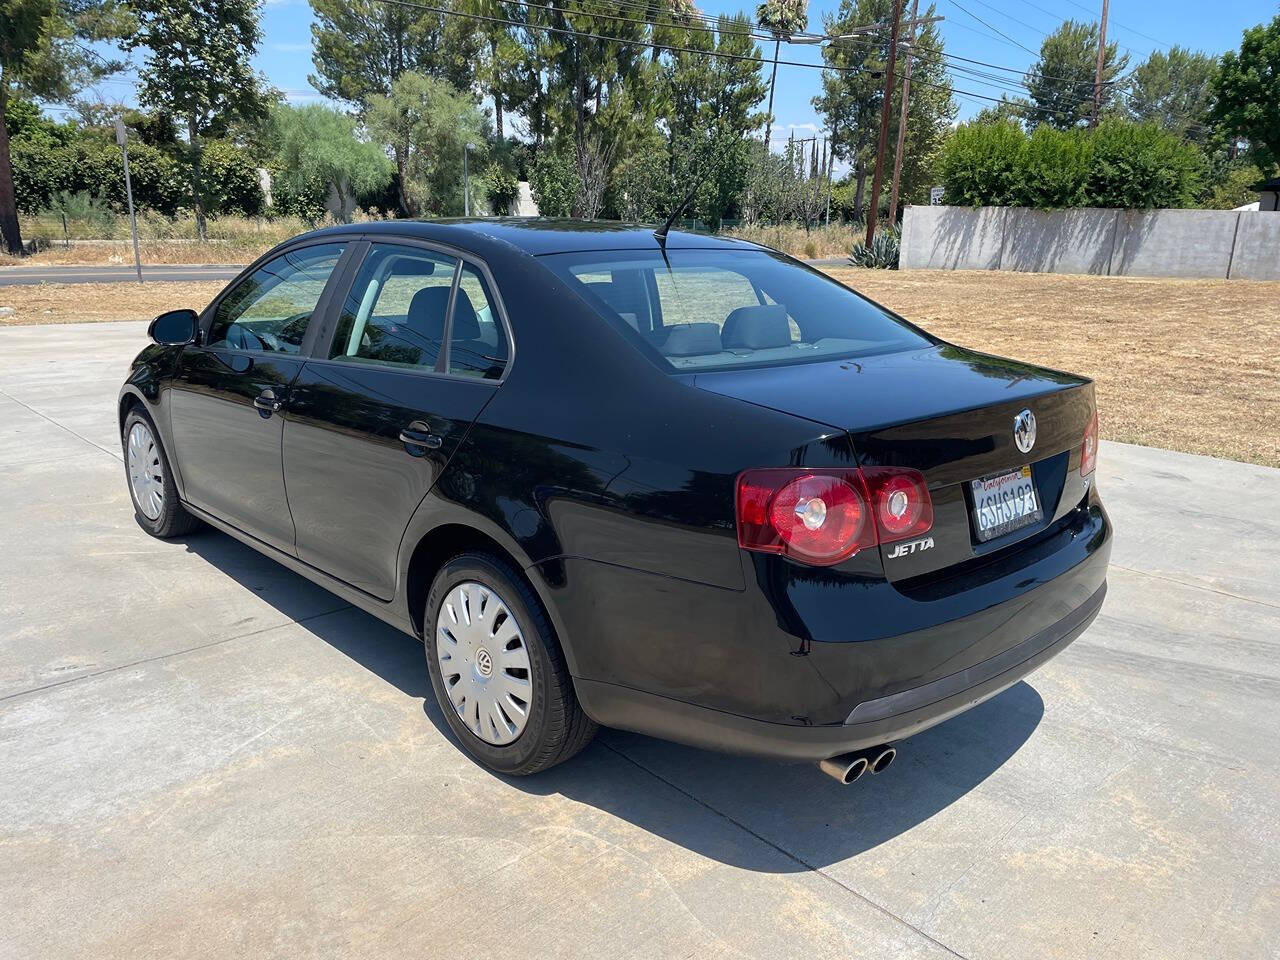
<point>949,413</point>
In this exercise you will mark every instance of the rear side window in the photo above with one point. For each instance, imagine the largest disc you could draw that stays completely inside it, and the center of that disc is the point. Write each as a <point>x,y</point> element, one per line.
<point>395,313</point>
<point>725,309</point>
<point>477,344</point>
<point>269,310</point>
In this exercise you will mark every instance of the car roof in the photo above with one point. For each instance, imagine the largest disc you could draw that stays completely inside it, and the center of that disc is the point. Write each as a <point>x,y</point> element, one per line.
<point>537,236</point>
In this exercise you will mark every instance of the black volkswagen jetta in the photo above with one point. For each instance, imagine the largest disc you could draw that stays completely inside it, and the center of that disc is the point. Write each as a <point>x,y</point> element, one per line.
<point>689,487</point>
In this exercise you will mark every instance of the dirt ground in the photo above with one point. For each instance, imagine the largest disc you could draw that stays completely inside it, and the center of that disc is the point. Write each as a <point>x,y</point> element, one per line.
<point>1190,365</point>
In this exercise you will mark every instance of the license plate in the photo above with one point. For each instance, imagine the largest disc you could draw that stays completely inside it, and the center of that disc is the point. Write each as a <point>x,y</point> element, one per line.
<point>1004,502</point>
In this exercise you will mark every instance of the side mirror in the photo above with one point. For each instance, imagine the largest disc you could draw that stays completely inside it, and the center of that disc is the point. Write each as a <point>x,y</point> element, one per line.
<point>174,328</point>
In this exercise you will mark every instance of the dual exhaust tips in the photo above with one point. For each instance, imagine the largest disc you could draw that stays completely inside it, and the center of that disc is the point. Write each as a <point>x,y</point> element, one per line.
<point>848,767</point>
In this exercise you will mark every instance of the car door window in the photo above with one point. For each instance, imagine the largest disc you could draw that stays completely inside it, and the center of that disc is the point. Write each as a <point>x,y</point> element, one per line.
<point>269,310</point>
<point>395,313</point>
<point>477,342</point>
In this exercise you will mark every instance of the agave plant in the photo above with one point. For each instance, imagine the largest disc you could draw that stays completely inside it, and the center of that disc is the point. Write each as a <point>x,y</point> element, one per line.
<point>882,254</point>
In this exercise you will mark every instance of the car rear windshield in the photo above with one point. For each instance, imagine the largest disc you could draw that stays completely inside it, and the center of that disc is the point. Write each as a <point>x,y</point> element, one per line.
<point>725,309</point>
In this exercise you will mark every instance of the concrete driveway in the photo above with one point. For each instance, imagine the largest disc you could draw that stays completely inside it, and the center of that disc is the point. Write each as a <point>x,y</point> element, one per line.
<point>202,755</point>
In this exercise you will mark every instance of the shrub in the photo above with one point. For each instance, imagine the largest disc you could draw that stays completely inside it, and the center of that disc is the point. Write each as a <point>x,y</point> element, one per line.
<point>1053,169</point>
<point>230,179</point>
<point>980,164</point>
<point>553,180</point>
<point>1141,165</point>
<point>882,254</point>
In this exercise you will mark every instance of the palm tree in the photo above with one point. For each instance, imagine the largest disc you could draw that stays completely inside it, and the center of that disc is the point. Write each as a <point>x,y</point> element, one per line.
<point>781,18</point>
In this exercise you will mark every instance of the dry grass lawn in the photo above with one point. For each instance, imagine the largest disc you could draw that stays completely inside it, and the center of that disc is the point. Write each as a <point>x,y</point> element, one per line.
<point>1191,365</point>
<point>94,302</point>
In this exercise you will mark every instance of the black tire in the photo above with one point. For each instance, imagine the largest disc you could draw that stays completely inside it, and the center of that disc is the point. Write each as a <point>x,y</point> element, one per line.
<point>557,728</point>
<point>174,520</point>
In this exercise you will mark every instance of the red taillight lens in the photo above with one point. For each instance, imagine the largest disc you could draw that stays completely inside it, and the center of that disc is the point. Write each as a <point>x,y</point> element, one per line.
<point>1089,449</point>
<point>826,516</point>
<point>902,505</point>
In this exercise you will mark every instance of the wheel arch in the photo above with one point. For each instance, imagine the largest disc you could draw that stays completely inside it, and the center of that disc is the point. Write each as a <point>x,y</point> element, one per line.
<point>447,540</point>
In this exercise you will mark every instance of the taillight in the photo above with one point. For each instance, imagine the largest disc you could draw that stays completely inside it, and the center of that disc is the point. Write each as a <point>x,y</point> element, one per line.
<point>826,516</point>
<point>1089,449</point>
<point>902,504</point>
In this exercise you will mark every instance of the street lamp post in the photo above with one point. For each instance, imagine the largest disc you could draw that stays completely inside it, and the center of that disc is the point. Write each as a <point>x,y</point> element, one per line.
<point>123,140</point>
<point>466,180</point>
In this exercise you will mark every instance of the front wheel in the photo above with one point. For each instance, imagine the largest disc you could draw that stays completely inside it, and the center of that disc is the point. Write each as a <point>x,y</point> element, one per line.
<point>151,486</point>
<point>497,670</point>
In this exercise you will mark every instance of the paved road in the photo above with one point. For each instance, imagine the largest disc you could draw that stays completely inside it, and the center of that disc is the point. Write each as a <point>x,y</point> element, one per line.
<point>172,273</point>
<point>202,755</point>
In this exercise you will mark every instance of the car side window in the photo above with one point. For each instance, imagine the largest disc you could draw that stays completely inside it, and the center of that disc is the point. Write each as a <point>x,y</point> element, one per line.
<point>477,342</point>
<point>395,313</point>
<point>269,310</point>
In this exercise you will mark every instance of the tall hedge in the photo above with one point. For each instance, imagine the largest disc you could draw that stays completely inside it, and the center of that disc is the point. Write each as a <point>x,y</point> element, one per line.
<point>1119,164</point>
<point>43,167</point>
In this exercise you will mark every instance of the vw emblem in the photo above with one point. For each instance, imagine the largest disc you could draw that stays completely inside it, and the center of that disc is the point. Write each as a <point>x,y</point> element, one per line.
<point>484,663</point>
<point>1024,430</point>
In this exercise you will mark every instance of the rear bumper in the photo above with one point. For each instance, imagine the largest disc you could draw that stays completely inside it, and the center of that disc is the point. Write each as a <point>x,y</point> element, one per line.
<point>872,722</point>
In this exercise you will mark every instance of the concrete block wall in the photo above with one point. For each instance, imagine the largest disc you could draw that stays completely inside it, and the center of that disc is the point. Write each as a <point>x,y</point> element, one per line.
<point>1146,243</point>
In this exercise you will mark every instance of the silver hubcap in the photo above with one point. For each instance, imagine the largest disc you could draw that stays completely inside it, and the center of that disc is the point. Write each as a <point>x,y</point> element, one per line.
<point>146,475</point>
<point>484,663</point>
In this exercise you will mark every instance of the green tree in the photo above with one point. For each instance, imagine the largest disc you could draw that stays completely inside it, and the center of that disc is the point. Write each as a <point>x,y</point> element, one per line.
<point>505,67</point>
<point>1061,83</point>
<point>360,47</point>
<point>712,100</point>
<point>1175,90</point>
<point>319,143</point>
<point>196,69</point>
<point>1247,91</point>
<point>852,95</point>
<point>782,18</point>
<point>428,122</point>
<point>43,56</point>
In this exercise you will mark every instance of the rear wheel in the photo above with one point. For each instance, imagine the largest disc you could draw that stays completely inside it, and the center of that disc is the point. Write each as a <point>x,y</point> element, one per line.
<point>497,670</point>
<point>151,486</point>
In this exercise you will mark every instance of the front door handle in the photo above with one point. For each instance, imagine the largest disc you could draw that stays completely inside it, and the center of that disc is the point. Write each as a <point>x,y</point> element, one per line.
<point>268,403</point>
<point>417,440</point>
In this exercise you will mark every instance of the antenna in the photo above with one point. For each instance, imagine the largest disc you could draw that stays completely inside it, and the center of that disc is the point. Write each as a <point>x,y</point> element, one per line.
<point>661,233</point>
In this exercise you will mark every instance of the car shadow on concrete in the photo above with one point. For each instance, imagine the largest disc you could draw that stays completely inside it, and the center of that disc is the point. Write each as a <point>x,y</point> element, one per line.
<point>752,813</point>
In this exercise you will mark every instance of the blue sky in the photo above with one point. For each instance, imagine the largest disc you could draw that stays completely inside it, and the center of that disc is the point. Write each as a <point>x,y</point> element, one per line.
<point>1138,25</point>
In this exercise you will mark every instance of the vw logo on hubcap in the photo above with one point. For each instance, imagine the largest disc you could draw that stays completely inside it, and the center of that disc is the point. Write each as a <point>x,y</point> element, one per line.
<point>484,663</point>
<point>1024,430</point>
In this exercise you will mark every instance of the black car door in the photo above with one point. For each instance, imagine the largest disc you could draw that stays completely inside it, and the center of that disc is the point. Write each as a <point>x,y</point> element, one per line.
<point>227,395</point>
<point>417,349</point>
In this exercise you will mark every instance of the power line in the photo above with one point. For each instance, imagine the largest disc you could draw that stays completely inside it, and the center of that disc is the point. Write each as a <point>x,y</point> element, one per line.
<point>996,30</point>
<point>1145,36</point>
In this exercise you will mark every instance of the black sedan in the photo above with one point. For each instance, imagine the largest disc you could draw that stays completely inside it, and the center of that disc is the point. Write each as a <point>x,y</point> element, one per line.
<point>682,485</point>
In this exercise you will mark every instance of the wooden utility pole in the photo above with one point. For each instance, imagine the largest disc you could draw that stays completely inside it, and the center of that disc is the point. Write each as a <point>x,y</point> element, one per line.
<point>902,115</point>
<point>884,122</point>
<point>1102,60</point>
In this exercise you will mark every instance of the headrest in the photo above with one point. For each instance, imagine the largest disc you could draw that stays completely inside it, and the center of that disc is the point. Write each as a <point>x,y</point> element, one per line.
<point>757,327</point>
<point>427,310</point>
<point>690,339</point>
<point>426,313</point>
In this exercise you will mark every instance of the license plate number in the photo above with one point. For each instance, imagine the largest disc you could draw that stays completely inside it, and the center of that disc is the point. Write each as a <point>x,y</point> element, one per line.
<point>1004,502</point>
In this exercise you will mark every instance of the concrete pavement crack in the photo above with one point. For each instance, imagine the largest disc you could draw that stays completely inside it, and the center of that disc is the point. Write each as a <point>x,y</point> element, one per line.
<point>813,868</point>
<point>60,426</point>
<point>167,656</point>
<point>1194,586</point>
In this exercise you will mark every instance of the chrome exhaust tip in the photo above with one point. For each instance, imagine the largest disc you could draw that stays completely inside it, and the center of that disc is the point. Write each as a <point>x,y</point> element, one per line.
<point>880,758</point>
<point>847,767</point>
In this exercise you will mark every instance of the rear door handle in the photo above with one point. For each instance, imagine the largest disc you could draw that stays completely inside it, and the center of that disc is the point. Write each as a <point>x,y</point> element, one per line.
<point>267,403</point>
<point>417,441</point>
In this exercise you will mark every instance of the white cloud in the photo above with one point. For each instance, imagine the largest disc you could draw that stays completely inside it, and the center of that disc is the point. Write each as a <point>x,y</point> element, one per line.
<point>291,47</point>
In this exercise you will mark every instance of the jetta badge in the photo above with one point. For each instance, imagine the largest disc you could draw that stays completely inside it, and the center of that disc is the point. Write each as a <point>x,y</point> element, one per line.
<point>1024,430</point>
